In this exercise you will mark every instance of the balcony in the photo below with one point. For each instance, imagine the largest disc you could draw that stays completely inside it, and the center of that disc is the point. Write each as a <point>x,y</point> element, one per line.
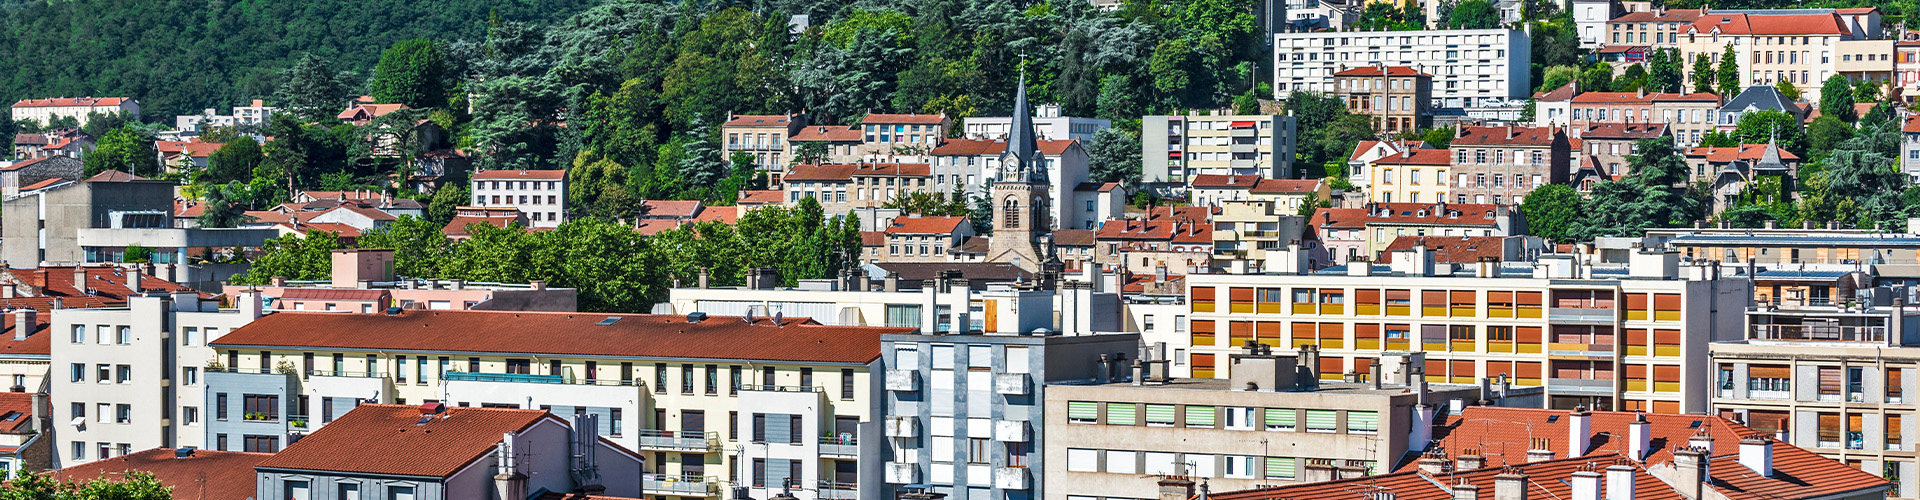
<point>836,491</point>
<point>331,373</point>
<point>667,484</point>
<point>1820,333</point>
<point>659,440</point>
<point>902,427</point>
<point>903,380</point>
<point>846,447</point>
<point>1012,478</point>
<point>1579,386</point>
<point>781,388</point>
<point>902,473</point>
<point>1580,315</point>
<point>1012,431</point>
<point>1244,132</point>
<point>1013,384</point>
<point>527,378</point>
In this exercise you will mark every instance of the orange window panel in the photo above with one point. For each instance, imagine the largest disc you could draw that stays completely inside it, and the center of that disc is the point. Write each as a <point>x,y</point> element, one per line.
<point>1204,293</point>
<point>1527,334</point>
<point>1528,299</point>
<point>1637,301</point>
<point>1303,334</point>
<point>1332,365</point>
<point>1459,298</point>
<point>1399,297</point>
<point>1666,373</point>
<point>1437,367</point>
<point>1366,331</point>
<point>1462,368</point>
<point>1202,327</point>
<point>1666,337</point>
<point>1666,302</point>
<point>1240,295</point>
<point>1526,369</point>
<point>1267,330</point>
<point>1333,331</point>
<point>1636,372</point>
<point>1370,297</point>
<point>1637,336</point>
<point>1433,298</point>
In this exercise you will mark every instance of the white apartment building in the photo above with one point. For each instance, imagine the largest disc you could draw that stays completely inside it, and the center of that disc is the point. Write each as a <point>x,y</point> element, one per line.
<point>541,194</point>
<point>255,114</point>
<point>129,379</point>
<point>1046,120</point>
<point>1174,149</point>
<point>1470,68</point>
<point>43,110</point>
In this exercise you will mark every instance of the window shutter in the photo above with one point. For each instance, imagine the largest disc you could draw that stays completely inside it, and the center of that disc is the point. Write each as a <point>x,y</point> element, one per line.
<point>1121,413</point>
<point>1083,410</point>
<point>1282,418</point>
<point>1322,420</point>
<point>1160,414</point>
<point>1280,468</point>
<point>794,428</point>
<point>1363,421</point>
<point>1200,416</point>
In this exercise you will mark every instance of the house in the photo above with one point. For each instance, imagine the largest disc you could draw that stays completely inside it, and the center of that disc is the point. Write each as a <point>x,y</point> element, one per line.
<point>1606,148</point>
<point>1213,190</point>
<point>1366,152</point>
<point>254,115</point>
<point>1849,52</point>
<point>1343,231</point>
<point>764,137</point>
<point>1398,98</point>
<point>43,111</point>
<point>837,144</point>
<point>1177,237</point>
<point>182,156</point>
<point>69,142</point>
<point>1731,170</point>
<point>1097,202</point>
<point>1409,175</point>
<point>1688,116</point>
<point>476,453</point>
<point>359,114</point>
<point>539,194</point>
<point>456,229</point>
<point>1500,165</point>
<point>26,173</point>
<point>842,188</point>
<point>26,437</point>
<point>1910,148</point>
<point>188,472</point>
<point>924,239</point>
<point>1755,98</point>
<point>886,135</point>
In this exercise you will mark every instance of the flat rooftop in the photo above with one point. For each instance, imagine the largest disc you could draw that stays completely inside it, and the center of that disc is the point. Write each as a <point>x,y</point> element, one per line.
<point>1326,387</point>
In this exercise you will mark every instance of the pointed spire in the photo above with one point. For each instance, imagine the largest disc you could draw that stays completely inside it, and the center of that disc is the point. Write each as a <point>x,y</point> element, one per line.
<point>1021,142</point>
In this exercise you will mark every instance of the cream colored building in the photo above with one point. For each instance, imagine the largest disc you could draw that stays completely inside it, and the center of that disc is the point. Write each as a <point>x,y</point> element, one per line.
<point>1409,176</point>
<point>1804,49</point>
<point>1626,338</point>
<point>43,110</point>
<point>1250,236</point>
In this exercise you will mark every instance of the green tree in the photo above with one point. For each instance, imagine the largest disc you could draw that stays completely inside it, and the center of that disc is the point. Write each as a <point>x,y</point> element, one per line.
<point>1663,70</point>
<point>418,245</point>
<point>1474,15</point>
<point>1633,79</point>
<point>1115,156</point>
<point>1441,137</point>
<point>234,161</point>
<point>1836,98</point>
<point>1787,90</point>
<point>1728,73</point>
<point>224,204</point>
<point>446,202</point>
<point>1826,133</point>
<point>1556,77</point>
<point>413,73</point>
<point>294,256</point>
<point>1865,91</point>
<point>1646,198</point>
<point>1760,127</point>
<point>1702,74</point>
<point>1600,76</point>
<point>1553,211</point>
<point>312,90</point>
<point>1171,81</point>
<point>924,203</point>
<point>134,485</point>
<point>126,149</point>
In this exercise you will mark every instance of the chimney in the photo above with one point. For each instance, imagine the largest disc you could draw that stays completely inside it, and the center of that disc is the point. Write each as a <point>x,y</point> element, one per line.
<point>9,290</point>
<point>703,278</point>
<point>1139,372</point>
<point>1586,485</point>
<point>1639,437</point>
<point>1176,488</point>
<point>1421,434</point>
<point>1702,441</point>
<point>24,321</point>
<point>249,304</point>
<point>1435,462</point>
<point>277,281</point>
<point>80,279</point>
<point>1580,431</point>
<point>1620,482</point>
<point>1756,452</point>
<point>509,483</point>
<point>1542,450</point>
<point>1511,484</point>
<point>1691,466</point>
<point>1470,459</point>
<point>1464,490</point>
<point>133,280</point>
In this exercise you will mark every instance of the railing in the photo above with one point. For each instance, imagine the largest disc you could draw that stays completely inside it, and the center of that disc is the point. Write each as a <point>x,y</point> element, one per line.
<point>781,388</point>
<point>833,490</point>
<point>297,421</point>
<point>651,439</point>
<point>529,378</point>
<point>674,484</point>
<point>1829,333</point>
<point>1579,314</point>
<point>839,446</point>
<point>259,417</point>
<point>331,373</point>
<point>1565,385</point>
<point>254,371</point>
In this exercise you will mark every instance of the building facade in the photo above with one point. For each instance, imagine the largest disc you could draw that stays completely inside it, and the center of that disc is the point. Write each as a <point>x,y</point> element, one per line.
<point>1500,165</point>
<point>43,111</point>
<point>1398,98</point>
<point>541,194</point>
<point>1177,148</point>
<point>1047,121</point>
<point>1470,68</point>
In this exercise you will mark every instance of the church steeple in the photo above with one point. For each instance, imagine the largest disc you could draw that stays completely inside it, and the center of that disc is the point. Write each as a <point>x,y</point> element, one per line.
<point>1022,162</point>
<point>1020,193</point>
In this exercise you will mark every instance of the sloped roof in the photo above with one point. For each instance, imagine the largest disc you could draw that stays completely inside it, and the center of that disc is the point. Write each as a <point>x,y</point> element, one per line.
<point>908,118</point>
<point>362,111</point>
<point>570,334</point>
<point>1669,15</point>
<point>456,437</point>
<point>757,197</point>
<point>1452,249</point>
<point>826,133</point>
<point>206,474</point>
<point>1744,24</point>
<point>846,171</point>
<point>60,102</point>
<point>1761,97</point>
<point>1912,125</point>
<point>25,139</point>
<point>114,176</point>
<point>925,225</point>
<point>1219,181</point>
<point>1074,237</point>
<point>1339,218</point>
<point>43,184</point>
<point>873,238</point>
<point>193,148</point>
<point>1470,214</point>
<point>1418,157</point>
<point>1287,186</point>
<point>670,208</point>
<point>1636,97</point>
<point>458,226</point>
<point>104,282</point>
<point>756,121</point>
<point>1728,154</point>
<point>1505,136</point>
<point>1564,93</point>
<point>1547,479</point>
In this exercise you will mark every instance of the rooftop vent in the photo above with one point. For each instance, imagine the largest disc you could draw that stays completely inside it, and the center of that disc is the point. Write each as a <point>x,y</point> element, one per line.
<point>432,408</point>
<point>612,319</point>
<point>183,453</point>
<point>694,317</point>
<point>393,311</point>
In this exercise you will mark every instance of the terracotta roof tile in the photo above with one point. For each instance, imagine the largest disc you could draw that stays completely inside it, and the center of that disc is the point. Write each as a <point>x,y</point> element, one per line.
<point>575,334</point>
<point>1729,154</point>
<point>458,226</point>
<point>207,474</point>
<point>24,139</point>
<point>873,238</point>
<point>70,101</point>
<point>847,171</point>
<point>338,229</point>
<point>670,208</point>
<point>760,197</point>
<point>456,436</point>
<point>1796,24</point>
<point>1418,157</point>
<point>1286,186</point>
<point>114,176</point>
<point>756,121</point>
<point>650,227</point>
<point>1339,218</point>
<point>1505,136</point>
<point>1219,181</point>
<point>550,175</point>
<point>925,225</point>
<point>43,184</point>
<point>826,133</point>
<point>1454,214</point>
<point>332,294</point>
<point>1548,479</point>
<point>1454,249</point>
<point>1074,237</point>
<point>1912,125</point>
<point>1670,15</point>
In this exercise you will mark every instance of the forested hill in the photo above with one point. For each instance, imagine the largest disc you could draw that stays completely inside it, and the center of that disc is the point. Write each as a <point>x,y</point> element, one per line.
<point>181,56</point>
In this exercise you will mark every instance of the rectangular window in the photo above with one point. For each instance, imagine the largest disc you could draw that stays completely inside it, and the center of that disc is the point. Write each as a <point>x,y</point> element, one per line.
<point>659,378</point>
<point>686,379</point>
<point>734,380</point>
<point>79,372</point>
<point>713,379</point>
<point>846,383</point>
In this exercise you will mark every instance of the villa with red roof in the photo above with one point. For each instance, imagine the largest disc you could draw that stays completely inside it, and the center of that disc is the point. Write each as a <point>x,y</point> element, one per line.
<point>915,238</point>
<point>44,110</point>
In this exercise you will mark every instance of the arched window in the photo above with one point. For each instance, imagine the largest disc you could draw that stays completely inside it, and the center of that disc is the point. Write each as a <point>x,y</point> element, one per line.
<point>1010,213</point>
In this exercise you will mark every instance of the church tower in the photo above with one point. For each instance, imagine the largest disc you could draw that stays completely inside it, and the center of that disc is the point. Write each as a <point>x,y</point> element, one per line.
<point>1020,194</point>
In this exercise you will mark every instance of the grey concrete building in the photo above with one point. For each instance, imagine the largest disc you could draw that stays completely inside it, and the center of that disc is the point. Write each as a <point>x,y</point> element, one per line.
<point>964,412</point>
<point>1177,148</point>
<point>44,226</point>
<point>252,409</point>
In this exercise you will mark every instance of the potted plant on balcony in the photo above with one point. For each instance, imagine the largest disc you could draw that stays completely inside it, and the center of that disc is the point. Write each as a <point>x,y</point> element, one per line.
<point>285,367</point>
<point>298,423</point>
<point>214,365</point>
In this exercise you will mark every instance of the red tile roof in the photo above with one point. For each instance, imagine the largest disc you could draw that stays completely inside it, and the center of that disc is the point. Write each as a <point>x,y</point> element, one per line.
<point>909,118</point>
<point>1468,214</point>
<point>827,133</point>
<point>1565,92</point>
<point>520,174</point>
<point>670,208</point>
<point>30,139</point>
<point>1505,136</point>
<point>1623,130</point>
<point>1912,125</point>
<point>26,163</point>
<point>338,229</point>
<point>1453,249</point>
<point>105,282</point>
<point>571,334</point>
<point>458,226</point>
<point>1287,186</point>
<point>1218,181</point>
<point>1636,97</point>
<point>1795,24</point>
<point>71,101</point>
<point>1073,237</point>
<point>1744,152</point>
<point>873,238</point>
<point>756,121</point>
<point>114,176</point>
<point>1375,71</point>
<point>368,111</point>
<point>1364,146</point>
<point>207,474</point>
<point>760,197</point>
<point>976,147</point>
<point>16,412</point>
<point>193,148</point>
<point>925,225</point>
<point>846,171</point>
<point>723,215</point>
<point>1547,479</point>
<point>456,436</point>
<point>1417,157</point>
<point>650,227</point>
<point>1339,218</point>
<point>1798,473</point>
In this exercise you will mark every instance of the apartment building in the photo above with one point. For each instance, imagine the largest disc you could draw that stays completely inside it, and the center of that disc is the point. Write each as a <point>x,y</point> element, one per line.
<point>1590,20</point>
<point>478,453</point>
<point>1688,117</point>
<point>1470,68</point>
<point>764,137</point>
<point>133,376</point>
<point>43,111</point>
<point>1352,234</point>
<point>1910,148</point>
<point>1829,374</point>
<point>1648,322</point>
<point>1047,121</point>
<point>541,194</point>
<point>1409,176</point>
<point>43,226</point>
<point>886,135</point>
<point>1778,247</point>
<point>1606,148</point>
<point>707,399</point>
<point>966,412</point>
<point>1180,238</point>
<point>1500,165</point>
<point>925,239</point>
<point>1251,236</point>
<point>839,144</point>
<point>253,115</point>
<point>842,188</point>
<point>1092,303</point>
<point>1115,439</point>
<point>1803,49</point>
<point>1659,28</point>
<point>1398,98</point>
<point>1177,148</point>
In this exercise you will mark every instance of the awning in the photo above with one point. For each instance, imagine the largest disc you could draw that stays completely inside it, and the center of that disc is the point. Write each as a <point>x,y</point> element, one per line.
<point>1242,124</point>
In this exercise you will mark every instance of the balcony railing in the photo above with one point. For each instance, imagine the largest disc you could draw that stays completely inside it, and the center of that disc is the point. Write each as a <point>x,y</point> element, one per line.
<point>781,388</point>
<point>659,440</point>
<point>297,421</point>
<point>834,446</point>
<point>331,373</point>
<point>672,484</point>
<point>833,490</point>
<point>527,378</point>
<point>1826,333</point>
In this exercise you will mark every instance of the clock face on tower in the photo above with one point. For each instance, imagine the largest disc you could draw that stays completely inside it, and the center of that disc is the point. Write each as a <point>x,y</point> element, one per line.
<point>1010,167</point>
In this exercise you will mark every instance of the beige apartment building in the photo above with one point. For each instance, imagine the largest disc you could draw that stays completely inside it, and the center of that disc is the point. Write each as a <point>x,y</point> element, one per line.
<point>843,187</point>
<point>1654,28</point>
<point>1803,49</point>
<point>1398,98</point>
<point>1500,165</point>
<point>1409,176</point>
<point>1688,117</point>
<point>764,137</point>
<point>1256,235</point>
<point>1178,148</point>
<point>43,110</point>
<point>1632,338</point>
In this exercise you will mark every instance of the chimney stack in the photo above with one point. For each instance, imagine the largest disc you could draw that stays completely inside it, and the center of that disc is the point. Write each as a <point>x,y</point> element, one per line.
<point>1639,438</point>
<point>1702,441</point>
<point>1691,464</point>
<point>1586,485</point>
<point>80,279</point>
<point>1580,430</point>
<point>24,322</point>
<point>1620,482</point>
<point>1542,450</point>
<point>1511,484</point>
<point>1464,490</point>
<point>1435,462</point>
<point>1756,452</point>
<point>1471,459</point>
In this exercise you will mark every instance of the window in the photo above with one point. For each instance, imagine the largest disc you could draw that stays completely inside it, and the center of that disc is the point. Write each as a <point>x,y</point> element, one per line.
<point>659,378</point>
<point>846,383</point>
<point>1083,412</point>
<point>734,380</point>
<point>79,450</point>
<point>348,491</point>
<point>1078,460</point>
<point>79,334</point>
<point>1239,419</point>
<point>190,414</point>
<point>78,372</point>
<point>122,374</point>
<point>298,490</point>
<point>123,413</point>
<point>400,493</point>
<point>220,407</point>
<point>124,335</point>
<point>103,373</point>
<point>713,379</point>
<point>979,450</point>
<point>261,407</point>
